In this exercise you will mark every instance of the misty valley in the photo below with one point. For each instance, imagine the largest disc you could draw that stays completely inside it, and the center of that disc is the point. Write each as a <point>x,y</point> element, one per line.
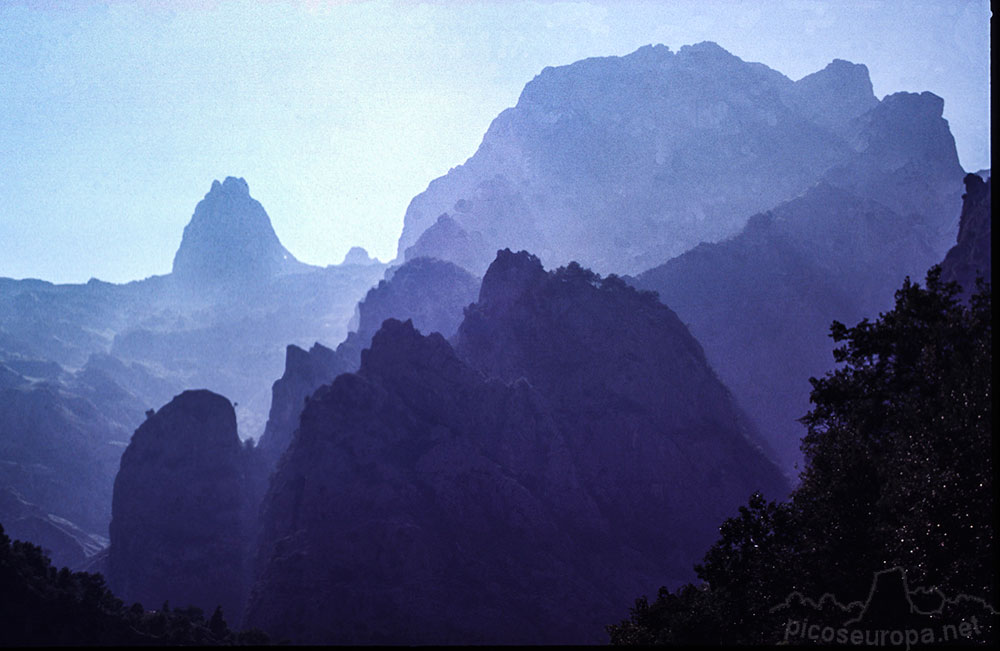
<point>683,347</point>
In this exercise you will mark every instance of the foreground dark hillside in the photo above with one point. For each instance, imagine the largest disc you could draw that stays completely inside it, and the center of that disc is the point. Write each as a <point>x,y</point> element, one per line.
<point>41,605</point>
<point>895,513</point>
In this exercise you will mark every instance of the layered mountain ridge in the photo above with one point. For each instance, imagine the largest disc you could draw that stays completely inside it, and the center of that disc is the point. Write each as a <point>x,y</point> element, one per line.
<point>501,461</point>
<point>621,163</point>
<point>462,494</point>
<point>430,293</point>
<point>80,364</point>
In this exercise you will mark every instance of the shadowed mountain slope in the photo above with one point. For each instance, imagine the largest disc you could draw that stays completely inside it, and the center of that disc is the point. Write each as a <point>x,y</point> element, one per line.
<point>423,501</point>
<point>761,303</point>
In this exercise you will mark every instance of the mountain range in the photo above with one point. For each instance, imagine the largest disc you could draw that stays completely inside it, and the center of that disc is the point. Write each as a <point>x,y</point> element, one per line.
<point>594,344</point>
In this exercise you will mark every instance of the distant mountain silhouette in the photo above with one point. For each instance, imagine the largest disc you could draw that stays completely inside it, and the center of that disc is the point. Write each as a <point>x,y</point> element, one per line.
<point>624,162</point>
<point>358,255</point>
<point>761,302</point>
<point>230,240</point>
<point>80,364</point>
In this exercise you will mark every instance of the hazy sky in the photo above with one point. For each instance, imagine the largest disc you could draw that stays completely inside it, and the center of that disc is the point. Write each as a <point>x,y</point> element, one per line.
<point>115,117</point>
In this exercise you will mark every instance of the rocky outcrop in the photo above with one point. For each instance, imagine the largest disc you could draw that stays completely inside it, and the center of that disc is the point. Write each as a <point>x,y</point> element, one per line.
<point>835,95</point>
<point>430,293</point>
<point>621,163</point>
<point>446,240</point>
<point>305,371</point>
<point>971,257</point>
<point>633,392</point>
<point>230,240</point>
<point>182,508</point>
<point>422,501</point>
<point>414,505</point>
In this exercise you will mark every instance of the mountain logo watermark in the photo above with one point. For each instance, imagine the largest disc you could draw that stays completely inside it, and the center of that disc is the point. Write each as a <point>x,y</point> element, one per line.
<point>893,615</point>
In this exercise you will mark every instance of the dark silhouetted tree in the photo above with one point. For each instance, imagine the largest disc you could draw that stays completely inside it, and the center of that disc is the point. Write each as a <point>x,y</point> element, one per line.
<point>899,473</point>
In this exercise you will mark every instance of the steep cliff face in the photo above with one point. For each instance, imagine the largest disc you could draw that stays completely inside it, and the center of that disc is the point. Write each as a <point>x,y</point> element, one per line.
<point>422,501</point>
<point>229,240</point>
<point>971,257</point>
<point>834,96</point>
<point>624,162</point>
<point>633,392</point>
<point>305,371</point>
<point>181,508</point>
<point>761,303</point>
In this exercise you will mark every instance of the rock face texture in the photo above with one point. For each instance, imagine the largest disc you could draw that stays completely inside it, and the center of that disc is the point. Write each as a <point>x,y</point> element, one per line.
<point>430,293</point>
<point>229,240</point>
<point>622,163</point>
<point>182,507</point>
<point>305,371</point>
<point>423,501</point>
<point>971,257</point>
<point>761,302</point>
<point>632,391</point>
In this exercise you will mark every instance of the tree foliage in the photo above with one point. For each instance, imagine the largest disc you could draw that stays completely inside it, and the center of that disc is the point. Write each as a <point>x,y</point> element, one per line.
<point>43,605</point>
<point>899,473</point>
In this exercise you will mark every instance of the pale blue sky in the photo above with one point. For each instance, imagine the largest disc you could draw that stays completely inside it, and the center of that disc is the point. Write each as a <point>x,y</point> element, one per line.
<point>115,117</point>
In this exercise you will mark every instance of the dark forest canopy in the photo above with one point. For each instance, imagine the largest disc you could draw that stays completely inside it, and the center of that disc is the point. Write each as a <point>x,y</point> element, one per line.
<point>41,605</point>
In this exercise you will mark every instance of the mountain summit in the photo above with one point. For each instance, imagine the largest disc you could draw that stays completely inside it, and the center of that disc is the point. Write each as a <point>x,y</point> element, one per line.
<point>230,240</point>
<point>621,163</point>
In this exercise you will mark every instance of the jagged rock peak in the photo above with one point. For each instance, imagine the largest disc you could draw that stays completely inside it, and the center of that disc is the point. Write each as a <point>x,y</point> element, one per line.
<point>398,343</point>
<point>230,239</point>
<point>509,275</point>
<point>850,80</point>
<point>707,48</point>
<point>925,104</point>
<point>843,69</point>
<point>232,185</point>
